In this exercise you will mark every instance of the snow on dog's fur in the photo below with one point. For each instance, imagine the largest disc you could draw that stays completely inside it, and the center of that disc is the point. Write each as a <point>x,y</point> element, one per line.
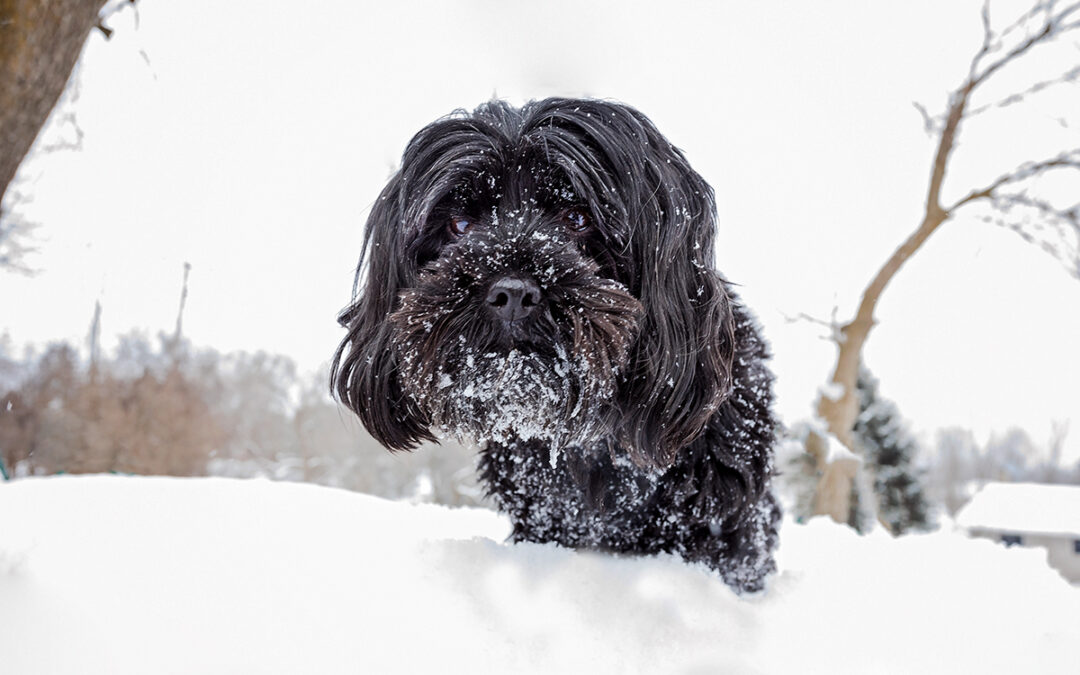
<point>540,280</point>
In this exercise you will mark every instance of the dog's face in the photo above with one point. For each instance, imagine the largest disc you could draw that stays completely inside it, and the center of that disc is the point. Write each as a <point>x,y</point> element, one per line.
<point>540,272</point>
<point>512,329</point>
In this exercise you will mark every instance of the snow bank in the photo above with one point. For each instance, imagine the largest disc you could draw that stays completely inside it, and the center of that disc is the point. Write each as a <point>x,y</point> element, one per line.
<point>155,575</point>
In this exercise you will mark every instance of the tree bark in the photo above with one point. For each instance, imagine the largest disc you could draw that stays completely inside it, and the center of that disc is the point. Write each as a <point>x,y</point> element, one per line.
<point>40,42</point>
<point>839,411</point>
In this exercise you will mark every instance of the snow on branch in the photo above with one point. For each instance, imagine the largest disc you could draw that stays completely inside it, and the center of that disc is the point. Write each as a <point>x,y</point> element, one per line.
<point>1032,217</point>
<point>835,327</point>
<point>1054,228</point>
<point>998,49</point>
<point>1066,160</point>
<point>1054,22</point>
<point>1071,75</point>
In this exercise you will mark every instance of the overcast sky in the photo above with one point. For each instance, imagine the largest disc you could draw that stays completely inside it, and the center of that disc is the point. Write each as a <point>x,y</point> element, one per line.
<point>250,138</point>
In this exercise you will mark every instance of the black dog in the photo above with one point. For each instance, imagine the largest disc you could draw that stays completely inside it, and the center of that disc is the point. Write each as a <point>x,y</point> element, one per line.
<point>541,281</point>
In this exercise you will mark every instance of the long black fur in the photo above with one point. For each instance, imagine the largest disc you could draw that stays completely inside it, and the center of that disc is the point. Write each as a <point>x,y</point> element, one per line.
<point>631,412</point>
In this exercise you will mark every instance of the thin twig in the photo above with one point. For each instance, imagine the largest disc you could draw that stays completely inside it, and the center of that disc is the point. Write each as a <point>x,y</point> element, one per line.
<point>1053,26</point>
<point>1068,159</point>
<point>929,123</point>
<point>1071,75</point>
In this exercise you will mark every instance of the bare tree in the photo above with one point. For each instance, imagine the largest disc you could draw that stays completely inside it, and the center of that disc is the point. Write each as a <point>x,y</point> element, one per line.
<point>1010,198</point>
<point>955,469</point>
<point>40,42</point>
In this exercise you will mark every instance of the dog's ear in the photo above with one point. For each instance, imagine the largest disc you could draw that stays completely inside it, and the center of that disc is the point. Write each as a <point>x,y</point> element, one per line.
<point>679,370</point>
<point>363,374</point>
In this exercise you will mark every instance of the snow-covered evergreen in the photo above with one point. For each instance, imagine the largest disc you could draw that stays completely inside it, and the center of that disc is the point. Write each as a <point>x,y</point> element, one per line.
<point>890,452</point>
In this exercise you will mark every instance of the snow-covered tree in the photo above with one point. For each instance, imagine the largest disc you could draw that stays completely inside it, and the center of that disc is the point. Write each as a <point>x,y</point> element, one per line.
<point>889,451</point>
<point>800,474</point>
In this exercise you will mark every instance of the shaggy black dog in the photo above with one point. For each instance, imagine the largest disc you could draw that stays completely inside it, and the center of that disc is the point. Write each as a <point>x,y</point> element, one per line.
<point>540,281</point>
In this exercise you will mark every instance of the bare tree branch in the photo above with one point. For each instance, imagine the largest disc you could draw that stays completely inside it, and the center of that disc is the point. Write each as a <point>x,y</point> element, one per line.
<point>105,30</point>
<point>1071,75</point>
<point>930,123</point>
<point>835,328</point>
<point>69,119</point>
<point>1066,160</point>
<point>988,40</point>
<point>1053,25</point>
<point>1042,23</point>
<point>1054,229</point>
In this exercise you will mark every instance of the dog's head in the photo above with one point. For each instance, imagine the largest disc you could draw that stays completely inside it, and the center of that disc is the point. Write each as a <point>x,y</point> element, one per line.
<point>544,271</point>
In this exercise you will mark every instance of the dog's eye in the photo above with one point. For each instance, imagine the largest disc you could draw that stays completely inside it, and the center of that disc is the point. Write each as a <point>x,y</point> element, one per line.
<point>576,219</point>
<point>459,225</point>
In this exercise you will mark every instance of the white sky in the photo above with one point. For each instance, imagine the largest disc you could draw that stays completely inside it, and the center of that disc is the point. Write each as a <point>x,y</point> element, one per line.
<point>250,139</point>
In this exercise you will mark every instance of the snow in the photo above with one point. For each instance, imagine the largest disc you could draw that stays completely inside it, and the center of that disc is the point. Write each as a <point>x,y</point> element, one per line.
<point>835,450</point>
<point>1024,507</point>
<point>109,574</point>
<point>834,391</point>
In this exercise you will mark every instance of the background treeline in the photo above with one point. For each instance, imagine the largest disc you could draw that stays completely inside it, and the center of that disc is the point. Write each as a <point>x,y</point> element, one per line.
<point>160,406</point>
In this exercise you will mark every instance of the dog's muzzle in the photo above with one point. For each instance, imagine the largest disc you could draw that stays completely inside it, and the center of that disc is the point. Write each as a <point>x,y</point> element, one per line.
<point>512,299</point>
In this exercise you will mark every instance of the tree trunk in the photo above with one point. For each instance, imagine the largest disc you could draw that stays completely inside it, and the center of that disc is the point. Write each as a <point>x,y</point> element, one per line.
<point>839,413</point>
<point>840,410</point>
<point>40,41</point>
<point>833,494</point>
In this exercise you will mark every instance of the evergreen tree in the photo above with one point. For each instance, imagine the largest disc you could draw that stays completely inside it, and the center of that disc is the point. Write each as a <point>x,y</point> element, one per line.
<point>890,452</point>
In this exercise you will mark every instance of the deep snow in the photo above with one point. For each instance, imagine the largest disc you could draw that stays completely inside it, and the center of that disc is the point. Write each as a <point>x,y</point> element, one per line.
<point>110,574</point>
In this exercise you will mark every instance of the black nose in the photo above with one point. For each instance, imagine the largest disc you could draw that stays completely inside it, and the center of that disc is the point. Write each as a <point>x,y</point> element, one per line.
<point>511,299</point>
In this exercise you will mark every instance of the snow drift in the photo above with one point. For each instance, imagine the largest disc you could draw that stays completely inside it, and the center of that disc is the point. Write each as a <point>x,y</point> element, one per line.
<point>156,575</point>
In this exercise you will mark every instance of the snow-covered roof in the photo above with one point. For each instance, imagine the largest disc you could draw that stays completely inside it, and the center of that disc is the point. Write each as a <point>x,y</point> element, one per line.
<point>1024,507</point>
